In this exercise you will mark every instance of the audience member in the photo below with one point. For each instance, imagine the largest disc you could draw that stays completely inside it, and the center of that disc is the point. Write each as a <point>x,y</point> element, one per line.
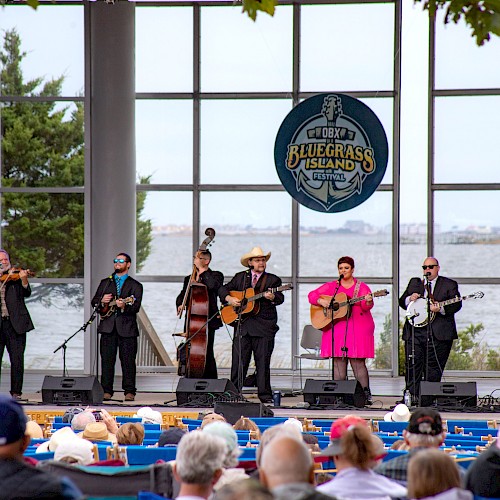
<point>171,437</point>
<point>210,417</point>
<point>311,441</point>
<point>34,430</point>
<point>97,432</point>
<point>61,435</point>
<point>80,420</point>
<point>355,452</point>
<point>425,430</point>
<point>246,424</point>
<point>245,489</point>
<point>230,471</point>
<point>271,433</point>
<point>18,479</point>
<point>483,475</point>
<point>130,433</point>
<point>149,416</point>
<point>70,413</point>
<point>400,413</point>
<point>400,444</point>
<point>198,464</point>
<point>76,451</point>
<point>287,469</point>
<point>434,474</point>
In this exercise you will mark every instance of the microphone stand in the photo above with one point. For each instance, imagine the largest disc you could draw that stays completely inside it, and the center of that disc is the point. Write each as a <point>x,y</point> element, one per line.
<point>429,330</point>
<point>333,306</point>
<point>83,328</point>
<point>411,357</point>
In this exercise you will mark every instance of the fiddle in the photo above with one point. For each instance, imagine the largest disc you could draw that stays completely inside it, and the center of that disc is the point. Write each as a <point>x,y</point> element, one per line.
<point>13,274</point>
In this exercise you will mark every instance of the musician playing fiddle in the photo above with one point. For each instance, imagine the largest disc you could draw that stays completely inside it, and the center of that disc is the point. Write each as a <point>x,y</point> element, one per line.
<point>213,280</point>
<point>431,352</point>
<point>16,320</point>
<point>354,331</point>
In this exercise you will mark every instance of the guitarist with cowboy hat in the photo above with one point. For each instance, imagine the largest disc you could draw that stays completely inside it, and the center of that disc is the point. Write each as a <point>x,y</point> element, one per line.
<point>254,332</point>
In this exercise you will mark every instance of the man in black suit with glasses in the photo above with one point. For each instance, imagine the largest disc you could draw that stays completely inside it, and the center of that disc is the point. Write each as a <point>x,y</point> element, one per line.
<point>428,343</point>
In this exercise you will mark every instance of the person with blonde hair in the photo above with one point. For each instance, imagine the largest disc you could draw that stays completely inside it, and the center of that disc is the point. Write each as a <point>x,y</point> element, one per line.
<point>355,453</point>
<point>434,474</point>
<point>247,424</point>
<point>130,433</point>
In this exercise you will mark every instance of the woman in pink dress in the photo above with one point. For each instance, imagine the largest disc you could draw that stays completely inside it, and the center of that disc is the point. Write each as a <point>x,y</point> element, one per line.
<point>353,333</point>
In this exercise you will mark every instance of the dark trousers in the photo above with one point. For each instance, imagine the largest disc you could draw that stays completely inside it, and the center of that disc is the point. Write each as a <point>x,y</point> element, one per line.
<point>262,349</point>
<point>428,366</point>
<point>16,344</point>
<point>111,343</point>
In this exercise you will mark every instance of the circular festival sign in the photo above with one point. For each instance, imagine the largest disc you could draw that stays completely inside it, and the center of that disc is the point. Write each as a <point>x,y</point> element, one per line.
<point>331,152</point>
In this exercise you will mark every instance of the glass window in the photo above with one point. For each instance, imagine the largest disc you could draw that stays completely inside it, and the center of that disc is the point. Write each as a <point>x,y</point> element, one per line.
<point>42,144</point>
<point>44,232</point>
<point>464,153</point>
<point>240,55</point>
<point>244,220</point>
<point>237,140</point>
<point>164,49</point>
<point>40,32</point>
<point>364,233</point>
<point>57,312</point>
<point>172,221</point>
<point>347,47</point>
<point>460,63</point>
<point>164,149</point>
<point>467,236</point>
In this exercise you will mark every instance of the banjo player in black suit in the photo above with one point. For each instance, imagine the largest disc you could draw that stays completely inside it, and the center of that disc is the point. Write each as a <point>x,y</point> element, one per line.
<point>255,333</point>
<point>432,342</point>
<point>119,330</point>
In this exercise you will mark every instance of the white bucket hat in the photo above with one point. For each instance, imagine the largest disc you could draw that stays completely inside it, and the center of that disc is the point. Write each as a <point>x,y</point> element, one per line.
<point>401,413</point>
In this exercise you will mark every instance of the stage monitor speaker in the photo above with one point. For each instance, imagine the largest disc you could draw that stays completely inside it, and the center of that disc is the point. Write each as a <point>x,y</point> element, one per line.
<point>203,391</point>
<point>332,392</point>
<point>72,390</point>
<point>451,394</point>
<point>232,412</point>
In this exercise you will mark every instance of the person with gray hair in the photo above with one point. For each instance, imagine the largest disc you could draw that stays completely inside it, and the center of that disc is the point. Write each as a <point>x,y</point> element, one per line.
<point>198,464</point>
<point>80,420</point>
<point>287,469</point>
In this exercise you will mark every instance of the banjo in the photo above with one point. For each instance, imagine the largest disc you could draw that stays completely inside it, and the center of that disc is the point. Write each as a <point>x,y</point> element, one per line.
<point>416,312</point>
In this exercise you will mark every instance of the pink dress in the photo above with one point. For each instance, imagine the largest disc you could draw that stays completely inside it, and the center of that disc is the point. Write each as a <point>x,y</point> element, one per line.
<point>355,331</point>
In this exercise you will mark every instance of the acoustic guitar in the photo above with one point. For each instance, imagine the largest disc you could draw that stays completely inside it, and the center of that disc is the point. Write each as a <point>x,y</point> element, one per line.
<point>322,316</point>
<point>230,314</point>
<point>107,310</point>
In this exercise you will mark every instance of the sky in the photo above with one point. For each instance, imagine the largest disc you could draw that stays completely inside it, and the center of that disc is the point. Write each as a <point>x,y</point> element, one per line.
<point>237,137</point>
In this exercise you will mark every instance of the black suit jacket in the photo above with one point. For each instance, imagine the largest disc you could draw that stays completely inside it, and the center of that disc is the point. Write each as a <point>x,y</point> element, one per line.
<point>265,322</point>
<point>20,318</point>
<point>443,326</point>
<point>213,280</point>
<point>126,322</point>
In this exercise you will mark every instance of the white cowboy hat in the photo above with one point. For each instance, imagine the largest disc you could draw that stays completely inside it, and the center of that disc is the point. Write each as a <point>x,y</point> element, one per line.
<point>401,413</point>
<point>255,252</point>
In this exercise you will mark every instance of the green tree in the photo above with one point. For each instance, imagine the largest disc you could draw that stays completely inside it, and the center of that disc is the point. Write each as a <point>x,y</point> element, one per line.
<point>43,147</point>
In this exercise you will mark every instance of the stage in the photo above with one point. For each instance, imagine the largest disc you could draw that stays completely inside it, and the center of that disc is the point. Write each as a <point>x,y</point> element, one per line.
<point>158,391</point>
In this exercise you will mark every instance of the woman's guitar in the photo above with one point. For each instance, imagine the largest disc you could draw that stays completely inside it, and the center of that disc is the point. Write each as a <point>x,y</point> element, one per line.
<point>230,314</point>
<point>322,316</point>
<point>108,309</point>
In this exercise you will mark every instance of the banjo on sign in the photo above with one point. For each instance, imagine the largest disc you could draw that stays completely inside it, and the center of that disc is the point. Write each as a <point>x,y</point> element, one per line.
<point>416,312</point>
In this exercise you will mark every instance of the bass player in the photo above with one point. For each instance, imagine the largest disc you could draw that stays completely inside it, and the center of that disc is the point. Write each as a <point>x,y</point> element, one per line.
<point>353,331</point>
<point>255,332</point>
<point>427,347</point>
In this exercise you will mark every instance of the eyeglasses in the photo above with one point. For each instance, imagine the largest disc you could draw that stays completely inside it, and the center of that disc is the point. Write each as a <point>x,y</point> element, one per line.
<point>121,261</point>
<point>430,266</point>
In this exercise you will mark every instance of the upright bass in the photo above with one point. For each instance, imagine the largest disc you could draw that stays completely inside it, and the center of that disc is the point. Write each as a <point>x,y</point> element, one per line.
<point>192,353</point>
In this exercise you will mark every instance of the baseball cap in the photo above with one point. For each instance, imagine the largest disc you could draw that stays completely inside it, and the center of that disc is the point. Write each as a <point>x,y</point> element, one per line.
<point>12,420</point>
<point>171,436</point>
<point>337,430</point>
<point>80,450</point>
<point>425,421</point>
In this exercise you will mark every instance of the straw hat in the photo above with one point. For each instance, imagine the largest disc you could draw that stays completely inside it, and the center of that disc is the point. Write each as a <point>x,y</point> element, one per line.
<point>255,252</point>
<point>97,432</point>
<point>61,435</point>
<point>401,413</point>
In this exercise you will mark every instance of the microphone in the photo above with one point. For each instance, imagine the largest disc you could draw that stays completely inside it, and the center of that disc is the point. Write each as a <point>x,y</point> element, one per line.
<point>341,277</point>
<point>427,274</point>
<point>112,276</point>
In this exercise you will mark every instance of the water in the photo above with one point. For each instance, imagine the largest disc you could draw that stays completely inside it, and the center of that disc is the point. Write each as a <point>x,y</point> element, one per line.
<point>318,254</point>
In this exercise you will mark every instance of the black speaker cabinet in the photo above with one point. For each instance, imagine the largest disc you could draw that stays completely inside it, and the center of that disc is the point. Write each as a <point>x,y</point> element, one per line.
<point>72,390</point>
<point>234,411</point>
<point>448,393</point>
<point>331,392</point>
<point>192,390</point>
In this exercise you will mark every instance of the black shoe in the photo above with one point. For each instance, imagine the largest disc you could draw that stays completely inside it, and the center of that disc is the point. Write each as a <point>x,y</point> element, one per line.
<point>266,400</point>
<point>368,396</point>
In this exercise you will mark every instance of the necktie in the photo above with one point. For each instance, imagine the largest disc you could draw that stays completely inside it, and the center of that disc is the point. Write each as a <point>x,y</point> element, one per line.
<point>429,290</point>
<point>255,278</point>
